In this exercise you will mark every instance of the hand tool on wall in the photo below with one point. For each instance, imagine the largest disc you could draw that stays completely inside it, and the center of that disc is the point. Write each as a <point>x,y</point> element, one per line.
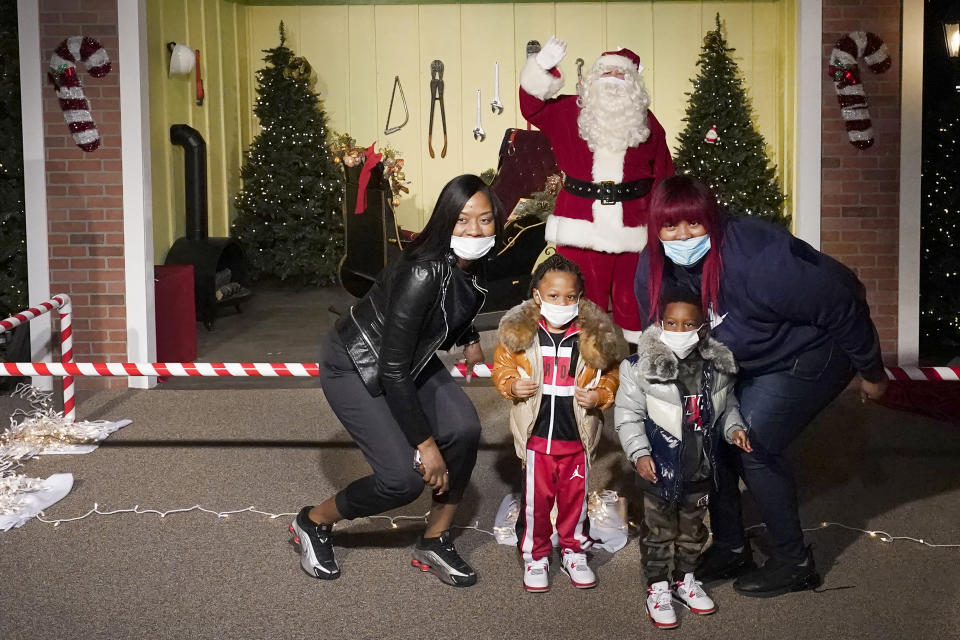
<point>496,106</point>
<point>533,48</point>
<point>387,129</point>
<point>478,132</point>
<point>436,95</point>
<point>200,95</point>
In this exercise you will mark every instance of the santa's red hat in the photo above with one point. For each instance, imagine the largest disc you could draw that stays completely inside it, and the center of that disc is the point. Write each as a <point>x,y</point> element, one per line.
<point>621,58</point>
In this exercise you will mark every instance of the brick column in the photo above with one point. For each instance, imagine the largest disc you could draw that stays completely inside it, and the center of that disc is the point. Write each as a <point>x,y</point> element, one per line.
<point>84,191</point>
<point>860,188</point>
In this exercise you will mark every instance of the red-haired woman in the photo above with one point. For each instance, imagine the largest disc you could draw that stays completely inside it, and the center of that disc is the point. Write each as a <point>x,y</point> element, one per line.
<point>799,327</point>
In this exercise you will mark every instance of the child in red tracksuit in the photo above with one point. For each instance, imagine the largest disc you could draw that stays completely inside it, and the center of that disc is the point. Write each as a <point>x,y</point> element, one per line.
<point>557,361</point>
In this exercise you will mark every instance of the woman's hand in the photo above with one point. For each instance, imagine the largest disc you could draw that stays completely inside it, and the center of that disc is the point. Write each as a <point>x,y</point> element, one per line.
<point>741,440</point>
<point>872,390</point>
<point>586,398</point>
<point>646,468</point>
<point>473,355</point>
<point>523,388</point>
<point>432,466</point>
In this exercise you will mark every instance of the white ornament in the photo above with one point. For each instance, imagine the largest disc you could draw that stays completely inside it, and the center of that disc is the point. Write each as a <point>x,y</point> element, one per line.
<point>712,135</point>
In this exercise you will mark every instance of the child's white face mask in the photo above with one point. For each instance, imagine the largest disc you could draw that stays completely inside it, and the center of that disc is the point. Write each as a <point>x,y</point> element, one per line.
<point>681,342</point>
<point>559,315</point>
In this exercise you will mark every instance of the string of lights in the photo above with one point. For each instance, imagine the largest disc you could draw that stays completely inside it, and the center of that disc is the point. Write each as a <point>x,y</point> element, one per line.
<point>881,535</point>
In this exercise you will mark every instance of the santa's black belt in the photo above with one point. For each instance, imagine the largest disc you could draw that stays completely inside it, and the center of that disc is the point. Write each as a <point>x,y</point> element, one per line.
<point>608,191</point>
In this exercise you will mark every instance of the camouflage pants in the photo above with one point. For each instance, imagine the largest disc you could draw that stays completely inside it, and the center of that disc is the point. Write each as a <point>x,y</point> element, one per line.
<point>672,532</point>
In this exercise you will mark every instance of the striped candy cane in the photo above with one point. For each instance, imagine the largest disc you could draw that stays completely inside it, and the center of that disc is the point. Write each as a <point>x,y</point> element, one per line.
<point>169,369</point>
<point>845,73</point>
<point>63,75</point>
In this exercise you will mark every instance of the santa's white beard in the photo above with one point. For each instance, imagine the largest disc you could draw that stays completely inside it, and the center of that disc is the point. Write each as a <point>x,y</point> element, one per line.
<point>613,116</point>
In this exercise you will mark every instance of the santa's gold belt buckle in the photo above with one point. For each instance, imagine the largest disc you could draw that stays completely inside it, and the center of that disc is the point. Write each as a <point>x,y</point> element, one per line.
<point>607,192</point>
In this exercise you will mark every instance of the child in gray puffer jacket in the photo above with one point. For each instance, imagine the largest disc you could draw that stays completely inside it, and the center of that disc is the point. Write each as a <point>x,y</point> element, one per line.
<point>676,398</point>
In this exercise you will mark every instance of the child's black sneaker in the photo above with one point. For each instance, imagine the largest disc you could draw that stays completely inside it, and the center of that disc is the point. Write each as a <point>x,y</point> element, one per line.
<point>439,556</point>
<point>316,546</point>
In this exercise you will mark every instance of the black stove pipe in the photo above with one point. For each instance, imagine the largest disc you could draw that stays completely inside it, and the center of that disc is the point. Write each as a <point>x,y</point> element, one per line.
<point>195,178</point>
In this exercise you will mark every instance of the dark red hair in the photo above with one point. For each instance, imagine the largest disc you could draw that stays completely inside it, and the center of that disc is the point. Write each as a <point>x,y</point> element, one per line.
<point>676,199</point>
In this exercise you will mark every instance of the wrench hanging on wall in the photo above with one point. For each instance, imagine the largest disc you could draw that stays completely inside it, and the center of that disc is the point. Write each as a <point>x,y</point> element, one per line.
<point>496,106</point>
<point>436,95</point>
<point>478,132</point>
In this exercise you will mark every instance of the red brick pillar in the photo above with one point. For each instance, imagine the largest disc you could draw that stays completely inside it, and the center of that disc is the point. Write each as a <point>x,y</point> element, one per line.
<point>861,188</point>
<point>84,191</point>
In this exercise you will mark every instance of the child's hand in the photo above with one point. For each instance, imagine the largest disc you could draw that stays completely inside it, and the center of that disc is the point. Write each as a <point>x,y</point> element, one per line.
<point>646,468</point>
<point>588,399</point>
<point>523,388</point>
<point>741,440</point>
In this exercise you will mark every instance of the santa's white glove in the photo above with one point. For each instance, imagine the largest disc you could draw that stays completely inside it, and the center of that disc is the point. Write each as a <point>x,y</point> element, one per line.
<point>551,53</point>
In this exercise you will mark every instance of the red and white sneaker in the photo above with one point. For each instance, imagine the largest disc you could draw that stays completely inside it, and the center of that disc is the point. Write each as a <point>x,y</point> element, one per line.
<point>575,566</point>
<point>536,575</point>
<point>660,606</point>
<point>690,593</point>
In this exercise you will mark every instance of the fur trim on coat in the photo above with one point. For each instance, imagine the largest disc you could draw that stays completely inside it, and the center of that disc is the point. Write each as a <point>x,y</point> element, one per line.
<point>658,362</point>
<point>598,338</point>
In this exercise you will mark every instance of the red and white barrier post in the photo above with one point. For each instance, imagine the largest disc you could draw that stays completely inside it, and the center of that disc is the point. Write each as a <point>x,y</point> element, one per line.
<point>62,303</point>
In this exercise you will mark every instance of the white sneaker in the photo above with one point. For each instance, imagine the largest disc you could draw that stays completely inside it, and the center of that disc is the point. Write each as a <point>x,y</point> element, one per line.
<point>660,606</point>
<point>575,566</point>
<point>693,596</point>
<point>536,575</point>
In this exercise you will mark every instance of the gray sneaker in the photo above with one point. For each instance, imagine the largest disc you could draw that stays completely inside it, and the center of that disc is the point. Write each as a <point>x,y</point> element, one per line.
<point>316,546</point>
<point>438,556</point>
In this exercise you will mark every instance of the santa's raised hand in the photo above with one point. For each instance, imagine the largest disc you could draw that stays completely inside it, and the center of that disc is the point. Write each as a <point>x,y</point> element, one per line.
<point>552,53</point>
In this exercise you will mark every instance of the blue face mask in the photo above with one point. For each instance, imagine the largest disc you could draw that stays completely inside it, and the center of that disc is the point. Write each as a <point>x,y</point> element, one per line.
<point>687,252</point>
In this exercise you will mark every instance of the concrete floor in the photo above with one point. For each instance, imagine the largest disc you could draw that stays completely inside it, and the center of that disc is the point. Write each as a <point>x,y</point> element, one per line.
<point>276,445</point>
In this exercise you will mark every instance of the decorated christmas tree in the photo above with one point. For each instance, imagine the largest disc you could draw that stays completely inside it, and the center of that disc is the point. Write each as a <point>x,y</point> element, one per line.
<point>720,144</point>
<point>289,212</point>
<point>940,234</point>
<point>13,247</point>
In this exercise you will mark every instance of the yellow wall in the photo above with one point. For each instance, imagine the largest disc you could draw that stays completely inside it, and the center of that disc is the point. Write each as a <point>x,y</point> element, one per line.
<point>218,29</point>
<point>356,50</point>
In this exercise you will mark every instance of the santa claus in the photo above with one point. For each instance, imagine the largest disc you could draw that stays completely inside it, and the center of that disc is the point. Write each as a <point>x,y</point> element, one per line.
<point>611,150</point>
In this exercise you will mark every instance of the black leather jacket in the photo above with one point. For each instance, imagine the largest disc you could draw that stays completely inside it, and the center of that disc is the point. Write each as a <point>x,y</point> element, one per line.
<point>413,309</point>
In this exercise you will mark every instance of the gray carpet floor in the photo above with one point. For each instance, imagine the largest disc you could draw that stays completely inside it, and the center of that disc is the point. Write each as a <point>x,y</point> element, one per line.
<point>275,445</point>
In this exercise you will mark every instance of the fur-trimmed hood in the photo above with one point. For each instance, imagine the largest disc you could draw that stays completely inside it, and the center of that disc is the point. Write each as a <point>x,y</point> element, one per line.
<point>598,338</point>
<point>658,362</point>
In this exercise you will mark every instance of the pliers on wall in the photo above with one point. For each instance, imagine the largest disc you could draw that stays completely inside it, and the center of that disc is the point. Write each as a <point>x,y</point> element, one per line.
<point>436,95</point>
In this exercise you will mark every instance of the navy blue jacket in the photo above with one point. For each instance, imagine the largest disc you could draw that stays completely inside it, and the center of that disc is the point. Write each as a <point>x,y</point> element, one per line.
<point>779,298</point>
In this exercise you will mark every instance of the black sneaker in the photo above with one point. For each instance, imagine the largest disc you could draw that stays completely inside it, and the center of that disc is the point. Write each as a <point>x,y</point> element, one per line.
<point>439,556</point>
<point>316,546</point>
<point>723,564</point>
<point>777,577</point>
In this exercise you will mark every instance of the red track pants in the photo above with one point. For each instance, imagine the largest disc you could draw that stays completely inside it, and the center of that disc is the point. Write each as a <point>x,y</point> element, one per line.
<point>553,477</point>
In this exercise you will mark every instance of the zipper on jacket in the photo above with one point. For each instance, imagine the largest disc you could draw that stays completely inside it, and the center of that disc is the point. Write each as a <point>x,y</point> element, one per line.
<point>446,328</point>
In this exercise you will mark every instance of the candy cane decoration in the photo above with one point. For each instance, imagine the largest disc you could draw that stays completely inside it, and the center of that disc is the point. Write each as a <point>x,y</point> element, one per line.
<point>845,73</point>
<point>63,75</point>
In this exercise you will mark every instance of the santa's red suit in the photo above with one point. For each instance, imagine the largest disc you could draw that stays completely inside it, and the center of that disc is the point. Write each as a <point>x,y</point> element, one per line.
<point>605,239</point>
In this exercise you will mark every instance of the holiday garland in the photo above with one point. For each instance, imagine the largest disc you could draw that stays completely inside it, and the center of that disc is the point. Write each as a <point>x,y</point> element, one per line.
<point>63,76</point>
<point>845,73</point>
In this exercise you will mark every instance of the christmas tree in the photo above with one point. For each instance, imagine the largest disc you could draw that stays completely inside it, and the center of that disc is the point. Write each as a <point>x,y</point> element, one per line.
<point>720,145</point>
<point>13,247</point>
<point>289,212</point>
<point>940,235</point>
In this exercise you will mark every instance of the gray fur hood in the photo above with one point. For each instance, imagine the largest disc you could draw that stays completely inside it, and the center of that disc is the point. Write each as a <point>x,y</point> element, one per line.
<point>598,338</point>
<point>657,362</point>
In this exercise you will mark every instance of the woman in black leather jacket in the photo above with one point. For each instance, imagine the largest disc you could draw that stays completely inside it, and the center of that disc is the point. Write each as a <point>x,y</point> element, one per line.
<point>381,376</point>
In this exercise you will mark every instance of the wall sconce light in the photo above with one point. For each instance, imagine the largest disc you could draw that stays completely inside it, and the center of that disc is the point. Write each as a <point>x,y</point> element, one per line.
<point>182,59</point>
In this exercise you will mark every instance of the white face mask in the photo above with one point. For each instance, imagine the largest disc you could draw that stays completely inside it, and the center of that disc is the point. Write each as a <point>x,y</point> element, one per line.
<point>681,342</point>
<point>559,315</point>
<point>472,248</point>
